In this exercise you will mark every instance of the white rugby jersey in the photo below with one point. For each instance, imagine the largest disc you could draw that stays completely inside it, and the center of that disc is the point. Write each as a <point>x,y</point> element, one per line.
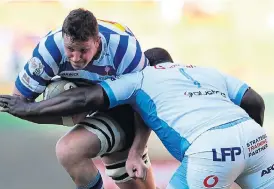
<point>179,102</point>
<point>121,53</point>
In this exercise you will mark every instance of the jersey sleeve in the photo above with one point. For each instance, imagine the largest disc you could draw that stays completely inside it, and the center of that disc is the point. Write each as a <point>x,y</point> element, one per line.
<point>236,88</point>
<point>42,66</point>
<point>121,90</point>
<point>129,57</point>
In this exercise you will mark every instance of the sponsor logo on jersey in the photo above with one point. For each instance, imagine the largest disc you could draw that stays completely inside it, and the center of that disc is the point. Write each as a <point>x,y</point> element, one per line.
<point>26,80</point>
<point>257,145</point>
<point>267,171</point>
<point>69,74</point>
<point>35,66</point>
<point>211,181</point>
<point>231,153</point>
<point>204,93</point>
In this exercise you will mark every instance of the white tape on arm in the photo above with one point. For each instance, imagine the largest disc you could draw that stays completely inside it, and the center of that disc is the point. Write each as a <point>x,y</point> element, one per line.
<point>68,121</point>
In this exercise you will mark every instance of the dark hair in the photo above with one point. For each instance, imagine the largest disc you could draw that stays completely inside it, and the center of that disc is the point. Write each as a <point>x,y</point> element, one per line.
<point>80,25</point>
<point>157,55</point>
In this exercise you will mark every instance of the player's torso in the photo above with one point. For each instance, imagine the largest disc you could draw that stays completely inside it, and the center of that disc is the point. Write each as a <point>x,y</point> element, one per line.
<point>187,99</point>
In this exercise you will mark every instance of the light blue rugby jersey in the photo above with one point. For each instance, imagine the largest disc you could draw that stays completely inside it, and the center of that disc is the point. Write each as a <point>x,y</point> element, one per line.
<point>179,102</point>
<point>121,53</point>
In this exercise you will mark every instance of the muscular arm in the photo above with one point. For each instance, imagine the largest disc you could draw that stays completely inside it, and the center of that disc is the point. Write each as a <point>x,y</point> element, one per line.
<point>142,133</point>
<point>74,101</point>
<point>37,119</point>
<point>254,105</point>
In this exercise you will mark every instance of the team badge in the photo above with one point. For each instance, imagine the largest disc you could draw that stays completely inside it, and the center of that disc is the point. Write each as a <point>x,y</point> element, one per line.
<point>35,66</point>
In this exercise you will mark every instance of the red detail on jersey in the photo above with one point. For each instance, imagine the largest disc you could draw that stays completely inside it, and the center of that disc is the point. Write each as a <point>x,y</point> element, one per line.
<point>215,178</point>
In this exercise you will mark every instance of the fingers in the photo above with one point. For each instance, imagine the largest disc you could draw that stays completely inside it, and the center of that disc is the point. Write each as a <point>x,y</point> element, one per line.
<point>3,107</point>
<point>130,171</point>
<point>4,101</point>
<point>141,172</point>
<point>6,97</point>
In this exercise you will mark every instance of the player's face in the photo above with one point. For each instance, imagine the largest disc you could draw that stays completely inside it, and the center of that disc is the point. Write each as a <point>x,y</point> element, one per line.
<point>80,53</point>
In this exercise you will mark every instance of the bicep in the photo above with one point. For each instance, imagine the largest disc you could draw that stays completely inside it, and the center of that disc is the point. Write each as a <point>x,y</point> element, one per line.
<point>254,105</point>
<point>251,99</point>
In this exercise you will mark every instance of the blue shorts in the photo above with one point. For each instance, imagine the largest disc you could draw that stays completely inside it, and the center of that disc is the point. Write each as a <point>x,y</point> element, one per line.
<point>221,156</point>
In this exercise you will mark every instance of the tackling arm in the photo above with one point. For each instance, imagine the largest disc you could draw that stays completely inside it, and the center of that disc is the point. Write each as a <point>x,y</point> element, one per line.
<point>41,119</point>
<point>74,101</point>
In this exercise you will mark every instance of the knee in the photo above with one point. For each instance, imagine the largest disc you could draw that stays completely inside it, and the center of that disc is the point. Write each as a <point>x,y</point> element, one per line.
<point>66,153</point>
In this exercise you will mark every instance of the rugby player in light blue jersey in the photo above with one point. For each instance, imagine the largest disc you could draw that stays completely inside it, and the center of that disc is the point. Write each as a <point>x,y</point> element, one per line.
<point>87,51</point>
<point>209,121</point>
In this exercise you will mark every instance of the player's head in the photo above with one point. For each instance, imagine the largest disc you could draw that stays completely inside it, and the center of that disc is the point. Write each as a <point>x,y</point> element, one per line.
<point>157,56</point>
<point>81,37</point>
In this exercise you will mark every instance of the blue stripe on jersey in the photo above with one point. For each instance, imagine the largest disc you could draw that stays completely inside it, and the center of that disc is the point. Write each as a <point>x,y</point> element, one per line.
<point>53,49</point>
<point>134,63</point>
<point>40,80</point>
<point>171,139</point>
<point>48,69</point>
<point>107,37</point>
<point>179,178</point>
<point>240,94</point>
<point>24,90</point>
<point>121,50</point>
<point>110,94</point>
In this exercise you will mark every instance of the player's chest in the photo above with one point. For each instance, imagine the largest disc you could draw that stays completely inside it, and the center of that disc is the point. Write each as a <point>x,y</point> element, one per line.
<point>94,72</point>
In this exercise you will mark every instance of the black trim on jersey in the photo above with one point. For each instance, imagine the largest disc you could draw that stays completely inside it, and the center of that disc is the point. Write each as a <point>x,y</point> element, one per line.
<point>95,127</point>
<point>116,166</point>
<point>122,177</point>
<point>109,129</point>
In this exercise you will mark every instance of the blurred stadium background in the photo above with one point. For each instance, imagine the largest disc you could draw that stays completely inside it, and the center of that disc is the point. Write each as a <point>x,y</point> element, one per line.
<point>236,37</point>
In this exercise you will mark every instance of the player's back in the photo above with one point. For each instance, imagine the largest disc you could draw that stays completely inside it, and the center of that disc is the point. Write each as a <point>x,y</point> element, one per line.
<point>189,100</point>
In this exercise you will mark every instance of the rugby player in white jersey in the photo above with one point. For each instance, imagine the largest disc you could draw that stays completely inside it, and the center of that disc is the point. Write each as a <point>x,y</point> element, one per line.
<point>209,121</point>
<point>87,51</point>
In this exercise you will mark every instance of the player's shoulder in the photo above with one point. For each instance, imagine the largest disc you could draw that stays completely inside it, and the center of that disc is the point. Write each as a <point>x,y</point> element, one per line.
<point>50,48</point>
<point>52,41</point>
<point>115,33</point>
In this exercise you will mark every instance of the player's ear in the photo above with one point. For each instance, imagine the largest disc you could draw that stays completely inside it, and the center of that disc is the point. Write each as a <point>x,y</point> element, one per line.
<point>97,41</point>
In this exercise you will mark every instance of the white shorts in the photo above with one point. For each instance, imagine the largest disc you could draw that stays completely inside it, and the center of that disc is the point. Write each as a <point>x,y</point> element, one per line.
<point>238,153</point>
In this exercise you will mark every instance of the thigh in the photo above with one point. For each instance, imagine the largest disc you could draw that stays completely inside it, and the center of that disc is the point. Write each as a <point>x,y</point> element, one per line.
<point>110,134</point>
<point>124,117</point>
<point>259,171</point>
<point>214,160</point>
<point>79,142</point>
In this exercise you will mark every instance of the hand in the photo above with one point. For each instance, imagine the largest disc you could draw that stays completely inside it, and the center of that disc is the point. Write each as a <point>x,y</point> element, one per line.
<point>14,105</point>
<point>136,168</point>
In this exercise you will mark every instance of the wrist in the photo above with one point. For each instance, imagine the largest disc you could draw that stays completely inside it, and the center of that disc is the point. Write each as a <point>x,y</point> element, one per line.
<point>31,109</point>
<point>136,151</point>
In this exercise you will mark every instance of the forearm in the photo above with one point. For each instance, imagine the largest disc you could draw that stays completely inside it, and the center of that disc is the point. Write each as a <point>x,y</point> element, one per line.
<point>74,101</point>
<point>142,133</point>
